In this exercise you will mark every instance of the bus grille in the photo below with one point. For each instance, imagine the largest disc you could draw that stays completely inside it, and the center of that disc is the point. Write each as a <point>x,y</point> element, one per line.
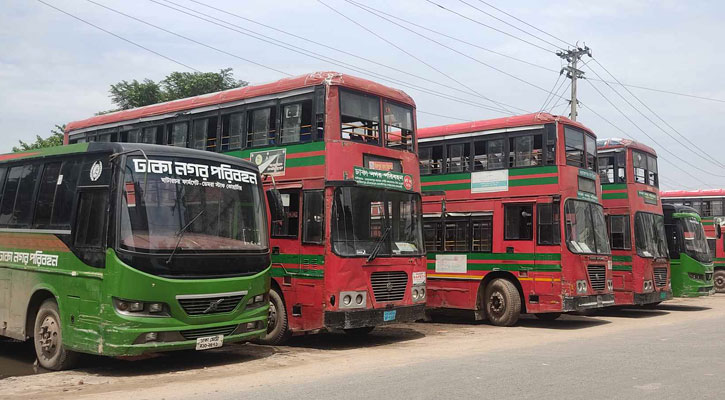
<point>660,276</point>
<point>389,285</point>
<point>210,305</point>
<point>597,276</point>
<point>219,330</point>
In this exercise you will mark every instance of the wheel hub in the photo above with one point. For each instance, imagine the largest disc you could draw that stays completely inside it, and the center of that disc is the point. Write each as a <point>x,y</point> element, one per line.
<point>271,317</point>
<point>497,302</point>
<point>48,336</point>
<point>720,282</point>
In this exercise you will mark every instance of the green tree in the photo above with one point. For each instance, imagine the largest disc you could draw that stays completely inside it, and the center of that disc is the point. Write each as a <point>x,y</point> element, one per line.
<point>55,139</point>
<point>176,85</point>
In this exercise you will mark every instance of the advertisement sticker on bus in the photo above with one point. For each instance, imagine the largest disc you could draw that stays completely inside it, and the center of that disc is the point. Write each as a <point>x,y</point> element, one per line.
<point>490,181</point>
<point>270,162</point>
<point>452,263</point>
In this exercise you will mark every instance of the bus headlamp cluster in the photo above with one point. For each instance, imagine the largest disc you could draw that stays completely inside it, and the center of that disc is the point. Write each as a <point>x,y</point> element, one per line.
<point>140,308</point>
<point>418,293</point>
<point>257,301</point>
<point>697,277</point>
<point>581,287</point>
<point>648,286</point>
<point>353,299</point>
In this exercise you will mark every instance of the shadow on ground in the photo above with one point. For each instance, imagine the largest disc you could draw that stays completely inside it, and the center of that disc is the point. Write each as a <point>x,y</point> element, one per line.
<point>681,307</point>
<point>341,341</point>
<point>565,322</point>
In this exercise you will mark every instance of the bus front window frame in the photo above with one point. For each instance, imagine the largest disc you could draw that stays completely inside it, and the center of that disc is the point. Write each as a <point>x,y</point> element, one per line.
<point>368,117</point>
<point>597,227</point>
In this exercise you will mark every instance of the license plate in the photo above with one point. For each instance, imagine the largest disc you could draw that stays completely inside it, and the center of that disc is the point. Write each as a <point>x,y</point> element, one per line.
<point>209,342</point>
<point>663,295</point>
<point>389,315</point>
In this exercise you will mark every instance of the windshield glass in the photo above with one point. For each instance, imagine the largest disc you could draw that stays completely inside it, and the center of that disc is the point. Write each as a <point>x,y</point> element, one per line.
<point>649,235</point>
<point>195,205</point>
<point>693,236</point>
<point>361,217</point>
<point>586,230</point>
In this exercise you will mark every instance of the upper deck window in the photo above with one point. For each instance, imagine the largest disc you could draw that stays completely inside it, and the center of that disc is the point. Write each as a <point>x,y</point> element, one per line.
<point>525,151</point>
<point>612,168</point>
<point>488,154</point>
<point>457,157</point>
<point>581,149</point>
<point>398,127</point>
<point>261,127</point>
<point>431,160</point>
<point>360,117</point>
<point>645,168</point>
<point>296,122</point>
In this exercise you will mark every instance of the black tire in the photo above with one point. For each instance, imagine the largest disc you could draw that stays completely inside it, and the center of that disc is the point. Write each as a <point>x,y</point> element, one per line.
<point>277,323</point>
<point>502,302</point>
<point>48,339</point>
<point>359,332</point>
<point>719,280</point>
<point>550,316</point>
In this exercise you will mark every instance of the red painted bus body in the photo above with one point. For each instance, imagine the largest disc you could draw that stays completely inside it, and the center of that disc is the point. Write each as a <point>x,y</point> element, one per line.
<point>347,251</point>
<point>494,192</point>
<point>630,194</point>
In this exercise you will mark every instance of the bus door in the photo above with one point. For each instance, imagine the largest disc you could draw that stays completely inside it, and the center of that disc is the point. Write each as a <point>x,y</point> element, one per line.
<point>310,279</point>
<point>518,239</point>
<point>285,235</point>
<point>547,253</point>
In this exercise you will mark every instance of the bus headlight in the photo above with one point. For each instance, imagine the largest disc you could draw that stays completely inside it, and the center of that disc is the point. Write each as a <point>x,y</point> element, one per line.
<point>140,308</point>
<point>257,301</point>
<point>581,287</point>
<point>353,299</point>
<point>648,286</point>
<point>418,293</point>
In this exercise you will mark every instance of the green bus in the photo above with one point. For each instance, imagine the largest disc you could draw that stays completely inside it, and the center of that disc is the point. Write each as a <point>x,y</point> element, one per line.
<point>691,267</point>
<point>121,249</point>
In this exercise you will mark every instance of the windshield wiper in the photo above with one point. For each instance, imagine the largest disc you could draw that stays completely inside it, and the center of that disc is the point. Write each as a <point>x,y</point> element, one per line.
<point>379,244</point>
<point>180,234</point>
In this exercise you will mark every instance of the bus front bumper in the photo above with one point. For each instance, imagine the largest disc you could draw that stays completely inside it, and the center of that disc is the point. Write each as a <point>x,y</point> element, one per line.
<point>653,297</point>
<point>373,317</point>
<point>580,303</point>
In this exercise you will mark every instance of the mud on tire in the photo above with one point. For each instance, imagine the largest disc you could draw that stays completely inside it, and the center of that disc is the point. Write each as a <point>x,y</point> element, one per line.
<point>502,302</point>
<point>48,339</point>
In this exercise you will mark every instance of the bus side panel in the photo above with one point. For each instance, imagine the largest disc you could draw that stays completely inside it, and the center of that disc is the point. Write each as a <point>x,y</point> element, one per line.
<point>452,293</point>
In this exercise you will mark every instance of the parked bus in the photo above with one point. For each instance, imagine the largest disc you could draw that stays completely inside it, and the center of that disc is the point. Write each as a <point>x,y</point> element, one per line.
<point>630,194</point>
<point>123,249</point>
<point>708,204</point>
<point>348,253</point>
<point>512,218</point>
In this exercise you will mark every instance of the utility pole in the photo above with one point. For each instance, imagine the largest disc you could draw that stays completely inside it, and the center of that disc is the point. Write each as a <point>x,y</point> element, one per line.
<point>572,57</point>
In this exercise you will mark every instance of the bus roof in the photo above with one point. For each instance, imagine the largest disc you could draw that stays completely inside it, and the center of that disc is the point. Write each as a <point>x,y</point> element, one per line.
<point>693,193</point>
<point>227,96</point>
<point>498,123</point>
<point>617,143</point>
<point>108,147</point>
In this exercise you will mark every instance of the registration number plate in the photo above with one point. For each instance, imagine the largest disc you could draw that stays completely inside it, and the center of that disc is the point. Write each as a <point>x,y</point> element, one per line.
<point>209,342</point>
<point>389,315</point>
<point>663,295</point>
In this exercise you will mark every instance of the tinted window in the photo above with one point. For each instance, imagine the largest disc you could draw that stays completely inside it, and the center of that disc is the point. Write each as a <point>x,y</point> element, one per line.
<point>17,206</point>
<point>296,122</point>
<point>518,220</point>
<point>619,233</point>
<point>458,157</point>
<point>91,217</point>
<point>178,134</point>
<point>313,223</point>
<point>232,129</point>
<point>548,225</point>
<point>46,194</point>
<point>288,226</point>
<point>65,193</point>
<point>261,127</point>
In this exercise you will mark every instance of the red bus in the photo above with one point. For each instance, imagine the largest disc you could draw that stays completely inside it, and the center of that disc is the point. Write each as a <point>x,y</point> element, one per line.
<point>636,225</point>
<point>708,203</point>
<point>347,250</point>
<point>512,218</point>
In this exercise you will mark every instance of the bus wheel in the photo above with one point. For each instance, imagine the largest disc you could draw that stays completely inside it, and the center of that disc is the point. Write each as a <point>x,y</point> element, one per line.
<point>549,316</point>
<point>719,280</point>
<point>359,332</point>
<point>277,323</point>
<point>502,302</point>
<point>48,339</point>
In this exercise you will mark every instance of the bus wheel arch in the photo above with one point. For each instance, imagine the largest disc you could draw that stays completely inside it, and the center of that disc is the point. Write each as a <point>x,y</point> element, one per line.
<point>278,313</point>
<point>512,285</point>
<point>36,300</point>
<point>50,351</point>
<point>718,280</point>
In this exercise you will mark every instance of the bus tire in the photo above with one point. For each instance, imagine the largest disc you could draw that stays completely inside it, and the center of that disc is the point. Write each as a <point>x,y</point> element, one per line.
<point>48,339</point>
<point>359,332</point>
<point>549,316</point>
<point>502,302</point>
<point>719,280</point>
<point>277,323</point>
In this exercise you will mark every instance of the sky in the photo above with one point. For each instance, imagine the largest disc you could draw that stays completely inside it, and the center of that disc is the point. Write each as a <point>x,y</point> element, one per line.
<point>55,69</point>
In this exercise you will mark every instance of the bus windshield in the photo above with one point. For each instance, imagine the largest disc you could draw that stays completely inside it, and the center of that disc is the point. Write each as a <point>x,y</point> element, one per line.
<point>178,204</point>
<point>365,218</point>
<point>586,231</point>
<point>649,235</point>
<point>693,236</point>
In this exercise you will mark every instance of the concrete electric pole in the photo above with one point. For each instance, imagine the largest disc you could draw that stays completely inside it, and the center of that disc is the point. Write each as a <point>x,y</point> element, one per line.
<point>572,57</point>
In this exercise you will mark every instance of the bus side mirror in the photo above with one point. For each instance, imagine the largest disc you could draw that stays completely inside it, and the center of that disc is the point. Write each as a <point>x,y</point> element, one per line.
<point>276,207</point>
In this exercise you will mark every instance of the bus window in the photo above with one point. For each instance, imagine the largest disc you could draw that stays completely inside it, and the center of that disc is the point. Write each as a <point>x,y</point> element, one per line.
<point>130,136</point>
<point>652,170</point>
<point>3,172</point>
<point>431,160</point>
<point>716,207</point>
<point>619,232</point>
<point>591,148</point>
<point>288,227</point>
<point>606,169</point>
<point>65,193</point>
<point>149,135</point>
<point>488,154</point>
<point>574,143</point>
<point>525,151</point>
<point>360,117</point>
<point>456,234</point>
<point>17,206</point>
<point>296,122</point>
<point>203,133</point>
<point>46,194</point>
<point>458,157</point>
<point>261,127</point>
<point>548,228</point>
<point>518,220</point>
<point>482,234</point>
<point>313,223</point>
<point>433,234</point>
<point>90,219</point>
<point>640,166</point>
<point>232,127</point>
<point>398,127</point>
<point>178,133</point>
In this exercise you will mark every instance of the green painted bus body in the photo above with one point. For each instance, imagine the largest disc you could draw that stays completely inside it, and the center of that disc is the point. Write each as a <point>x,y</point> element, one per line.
<point>690,278</point>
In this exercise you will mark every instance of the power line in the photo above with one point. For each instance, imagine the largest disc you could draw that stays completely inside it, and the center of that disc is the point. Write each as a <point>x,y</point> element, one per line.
<point>553,106</point>
<point>526,23</point>
<point>119,37</point>
<point>411,55</point>
<point>554,89</point>
<point>444,116</point>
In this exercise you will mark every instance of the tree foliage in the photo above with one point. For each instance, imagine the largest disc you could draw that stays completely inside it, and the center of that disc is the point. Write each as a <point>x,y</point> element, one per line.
<point>55,139</point>
<point>176,85</point>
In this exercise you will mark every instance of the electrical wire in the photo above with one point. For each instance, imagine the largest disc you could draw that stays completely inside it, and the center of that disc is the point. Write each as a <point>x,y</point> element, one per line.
<point>554,89</point>
<point>444,116</point>
<point>527,24</point>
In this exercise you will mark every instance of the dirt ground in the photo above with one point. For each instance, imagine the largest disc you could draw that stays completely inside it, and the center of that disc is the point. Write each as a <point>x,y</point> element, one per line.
<point>189,373</point>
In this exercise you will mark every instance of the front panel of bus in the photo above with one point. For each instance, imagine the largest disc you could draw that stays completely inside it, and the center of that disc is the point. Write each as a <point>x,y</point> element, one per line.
<point>690,260</point>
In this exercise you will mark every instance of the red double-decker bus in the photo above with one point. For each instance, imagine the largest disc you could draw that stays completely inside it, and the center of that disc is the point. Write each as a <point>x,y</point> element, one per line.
<point>347,248</point>
<point>630,194</point>
<point>512,218</point>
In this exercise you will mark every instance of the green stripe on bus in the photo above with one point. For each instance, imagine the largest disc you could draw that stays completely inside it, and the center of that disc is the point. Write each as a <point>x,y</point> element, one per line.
<point>707,223</point>
<point>508,267</point>
<point>547,180</point>
<point>445,177</point>
<point>299,273</point>
<point>450,186</point>
<point>292,149</point>
<point>621,267</point>
<point>616,195</point>
<point>552,169</point>
<point>621,258</point>
<point>505,256</point>
<point>614,186</point>
<point>313,259</point>
<point>305,161</point>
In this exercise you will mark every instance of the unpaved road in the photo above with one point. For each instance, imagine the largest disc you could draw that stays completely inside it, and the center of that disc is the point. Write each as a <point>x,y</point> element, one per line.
<point>675,351</point>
